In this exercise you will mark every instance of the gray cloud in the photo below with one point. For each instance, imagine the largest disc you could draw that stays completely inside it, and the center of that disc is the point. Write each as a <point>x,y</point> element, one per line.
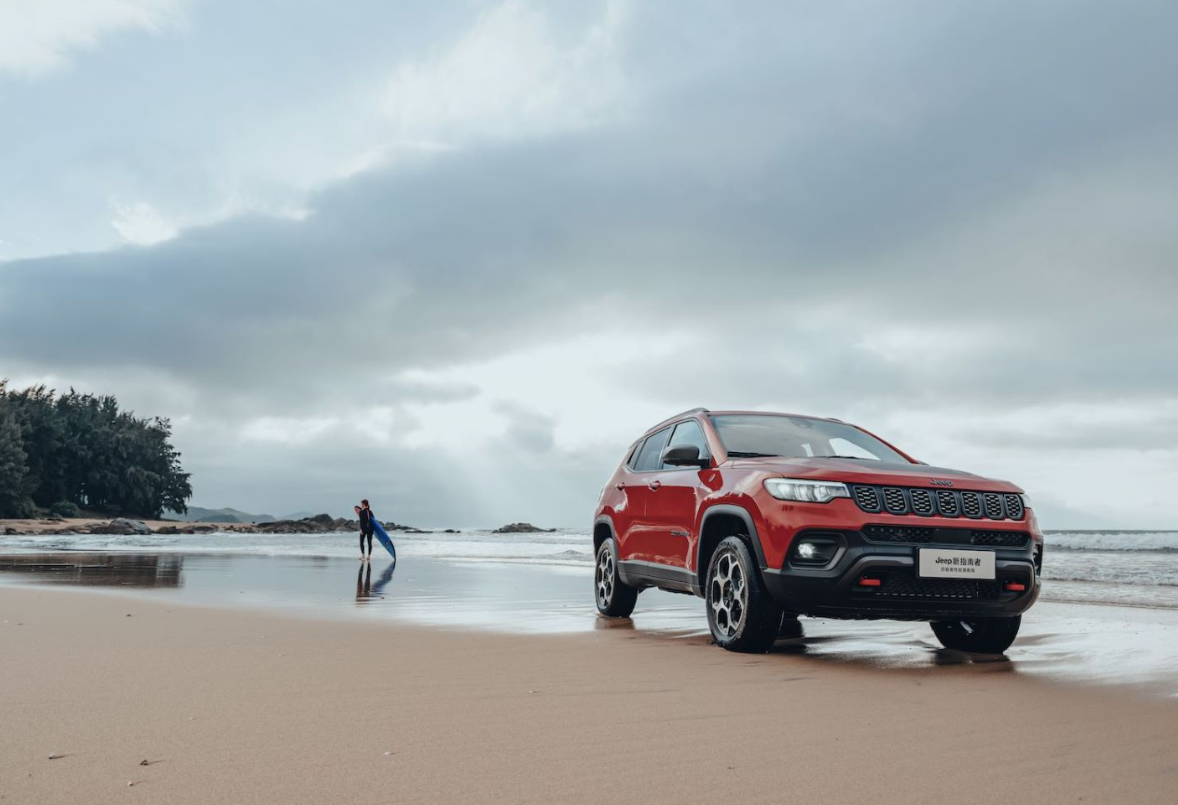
<point>832,207</point>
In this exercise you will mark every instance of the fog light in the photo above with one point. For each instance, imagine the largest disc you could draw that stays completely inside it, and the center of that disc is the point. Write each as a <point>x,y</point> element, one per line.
<point>814,551</point>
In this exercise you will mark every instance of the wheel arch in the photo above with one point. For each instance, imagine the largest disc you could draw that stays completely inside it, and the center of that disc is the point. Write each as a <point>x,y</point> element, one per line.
<point>718,522</point>
<point>603,529</point>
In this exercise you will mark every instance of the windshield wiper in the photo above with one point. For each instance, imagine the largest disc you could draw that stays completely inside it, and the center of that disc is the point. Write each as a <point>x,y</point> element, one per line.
<point>747,454</point>
<point>854,458</point>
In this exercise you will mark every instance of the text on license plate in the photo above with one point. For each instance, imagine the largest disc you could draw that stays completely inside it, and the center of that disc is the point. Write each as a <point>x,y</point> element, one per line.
<point>943,564</point>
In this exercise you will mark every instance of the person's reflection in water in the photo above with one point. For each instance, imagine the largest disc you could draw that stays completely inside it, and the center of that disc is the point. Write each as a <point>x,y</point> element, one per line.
<point>365,590</point>
<point>364,583</point>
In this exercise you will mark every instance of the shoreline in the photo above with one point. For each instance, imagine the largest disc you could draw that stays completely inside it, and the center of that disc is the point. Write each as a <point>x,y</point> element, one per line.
<point>136,526</point>
<point>1086,643</point>
<point>241,705</point>
<point>132,526</point>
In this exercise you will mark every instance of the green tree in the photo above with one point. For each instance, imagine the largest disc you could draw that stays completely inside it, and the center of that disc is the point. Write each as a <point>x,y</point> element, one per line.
<point>41,431</point>
<point>14,499</point>
<point>81,449</point>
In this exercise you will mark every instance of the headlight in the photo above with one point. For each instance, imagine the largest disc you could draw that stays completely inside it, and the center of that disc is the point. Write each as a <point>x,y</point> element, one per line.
<point>806,491</point>
<point>1026,501</point>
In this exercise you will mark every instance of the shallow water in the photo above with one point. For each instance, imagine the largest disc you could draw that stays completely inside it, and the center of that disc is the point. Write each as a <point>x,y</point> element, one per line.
<point>1114,567</point>
<point>1076,642</point>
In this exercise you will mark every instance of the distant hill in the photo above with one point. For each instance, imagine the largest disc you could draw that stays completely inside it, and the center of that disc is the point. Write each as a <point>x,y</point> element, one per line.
<point>297,516</point>
<point>197,514</point>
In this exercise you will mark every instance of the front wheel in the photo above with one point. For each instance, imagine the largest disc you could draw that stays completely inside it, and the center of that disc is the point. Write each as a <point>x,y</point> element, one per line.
<point>981,635</point>
<point>741,614</point>
<point>615,598</point>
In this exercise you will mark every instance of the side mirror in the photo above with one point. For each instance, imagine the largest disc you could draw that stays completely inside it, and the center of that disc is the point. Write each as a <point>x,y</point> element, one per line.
<point>686,455</point>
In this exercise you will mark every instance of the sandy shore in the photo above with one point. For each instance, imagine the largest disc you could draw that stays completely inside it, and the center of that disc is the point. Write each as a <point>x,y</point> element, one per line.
<point>248,707</point>
<point>58,525</point>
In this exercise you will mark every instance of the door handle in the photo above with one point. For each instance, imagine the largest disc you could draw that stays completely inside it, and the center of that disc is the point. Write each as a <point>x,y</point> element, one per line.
<point>654,485</point>
<point>619,486</point>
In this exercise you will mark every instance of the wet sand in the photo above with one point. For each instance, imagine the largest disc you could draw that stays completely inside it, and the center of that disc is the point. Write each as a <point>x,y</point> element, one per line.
<point>1090,644</point>
<point>241,705</point>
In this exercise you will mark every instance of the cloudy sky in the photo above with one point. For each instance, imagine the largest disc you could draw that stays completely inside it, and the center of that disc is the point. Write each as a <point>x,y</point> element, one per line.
<point>455,256</point>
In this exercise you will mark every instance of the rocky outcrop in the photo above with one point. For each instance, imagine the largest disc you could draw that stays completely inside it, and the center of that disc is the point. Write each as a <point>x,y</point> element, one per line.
<point>319,524</point>
<point>122,526</point>
<point>522,528</point>
<point>322,524</point>
<point>404,529</point>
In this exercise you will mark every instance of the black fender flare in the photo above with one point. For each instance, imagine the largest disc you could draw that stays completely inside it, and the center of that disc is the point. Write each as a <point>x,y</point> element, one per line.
<point>613,532</point>
<point>737,511</point>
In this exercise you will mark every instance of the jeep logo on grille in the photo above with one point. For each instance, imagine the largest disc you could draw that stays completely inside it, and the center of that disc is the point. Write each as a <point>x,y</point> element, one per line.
<point>940,482</point>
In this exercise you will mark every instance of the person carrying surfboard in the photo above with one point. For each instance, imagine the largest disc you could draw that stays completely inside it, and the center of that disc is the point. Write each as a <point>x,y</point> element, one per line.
<point>366,530</point>
<point>370,527</point>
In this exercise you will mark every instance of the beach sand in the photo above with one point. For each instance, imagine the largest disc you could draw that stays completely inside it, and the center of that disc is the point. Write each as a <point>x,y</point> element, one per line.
<point>245,706</point>
<point>56,526</point>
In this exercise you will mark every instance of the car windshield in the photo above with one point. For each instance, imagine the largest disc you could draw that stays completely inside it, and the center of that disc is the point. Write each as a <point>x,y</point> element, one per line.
<point>751,435</point>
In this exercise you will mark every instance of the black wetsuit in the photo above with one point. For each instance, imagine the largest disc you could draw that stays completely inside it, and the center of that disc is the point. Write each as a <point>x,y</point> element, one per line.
<point>366,529</point>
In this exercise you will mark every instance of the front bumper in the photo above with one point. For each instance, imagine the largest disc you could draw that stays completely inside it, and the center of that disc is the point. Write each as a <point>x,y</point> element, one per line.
<point>836,592</point>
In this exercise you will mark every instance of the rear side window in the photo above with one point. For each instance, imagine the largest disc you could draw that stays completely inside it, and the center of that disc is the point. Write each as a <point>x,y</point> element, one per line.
<point>650,455</point>
<point>690,433</point>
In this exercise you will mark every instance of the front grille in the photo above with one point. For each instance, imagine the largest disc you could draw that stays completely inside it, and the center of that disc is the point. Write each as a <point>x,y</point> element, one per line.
<point>900,500</point>
<point>947,503</point>
<point>922,502</point>
<point>898,533</point>
<point>867,497</point>
<point>921,535</point>
<point>894,500</point>
<point>1001,539</point>
<point>901,585</point>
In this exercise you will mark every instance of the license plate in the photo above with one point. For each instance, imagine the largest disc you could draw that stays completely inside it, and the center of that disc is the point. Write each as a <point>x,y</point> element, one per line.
<point>941,564</point>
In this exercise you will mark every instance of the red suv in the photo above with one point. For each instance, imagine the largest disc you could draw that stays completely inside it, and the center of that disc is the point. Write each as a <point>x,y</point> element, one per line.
<point>770,516</point>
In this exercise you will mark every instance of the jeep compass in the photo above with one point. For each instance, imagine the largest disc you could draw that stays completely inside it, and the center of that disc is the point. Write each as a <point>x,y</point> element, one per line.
<point>770,516</point>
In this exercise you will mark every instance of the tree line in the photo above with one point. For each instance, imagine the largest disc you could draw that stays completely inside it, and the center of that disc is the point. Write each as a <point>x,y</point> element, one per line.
<point>62,453</point>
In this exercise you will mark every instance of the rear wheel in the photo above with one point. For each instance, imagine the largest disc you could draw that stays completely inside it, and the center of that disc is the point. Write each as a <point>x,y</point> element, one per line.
<point>615,598</point>
<point>982,635</point>
<point>741,614</point>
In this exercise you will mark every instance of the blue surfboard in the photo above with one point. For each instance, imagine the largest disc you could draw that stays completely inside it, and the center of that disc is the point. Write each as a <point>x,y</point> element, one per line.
<point>383,536</point>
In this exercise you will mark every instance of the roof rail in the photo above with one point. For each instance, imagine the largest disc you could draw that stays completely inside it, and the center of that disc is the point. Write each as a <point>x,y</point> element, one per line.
<point>677,416</point>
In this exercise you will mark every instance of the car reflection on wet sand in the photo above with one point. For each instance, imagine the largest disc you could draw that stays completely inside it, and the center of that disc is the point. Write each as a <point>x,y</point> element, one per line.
<point>97,569</point>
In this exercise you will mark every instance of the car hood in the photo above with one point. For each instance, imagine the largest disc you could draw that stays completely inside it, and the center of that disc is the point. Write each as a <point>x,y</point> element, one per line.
<point>873,472</point>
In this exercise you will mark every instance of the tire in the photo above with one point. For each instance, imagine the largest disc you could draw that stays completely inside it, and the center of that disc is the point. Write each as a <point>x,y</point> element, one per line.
<point>741,614</point>
<point>615,598</point>
<point>980,635</point>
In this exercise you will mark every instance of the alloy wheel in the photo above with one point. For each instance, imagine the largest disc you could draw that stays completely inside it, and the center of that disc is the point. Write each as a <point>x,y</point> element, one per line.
<point>728,595</point>
<point>605,578</point>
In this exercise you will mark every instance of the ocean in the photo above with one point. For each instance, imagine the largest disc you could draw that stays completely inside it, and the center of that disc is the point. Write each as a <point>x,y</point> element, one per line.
<point>1130,568</point>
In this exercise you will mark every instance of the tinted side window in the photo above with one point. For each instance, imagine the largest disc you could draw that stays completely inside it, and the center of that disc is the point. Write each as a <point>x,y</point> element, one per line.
<point>632,456</point>
<point>690,433</point>
<point>650,457</point>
